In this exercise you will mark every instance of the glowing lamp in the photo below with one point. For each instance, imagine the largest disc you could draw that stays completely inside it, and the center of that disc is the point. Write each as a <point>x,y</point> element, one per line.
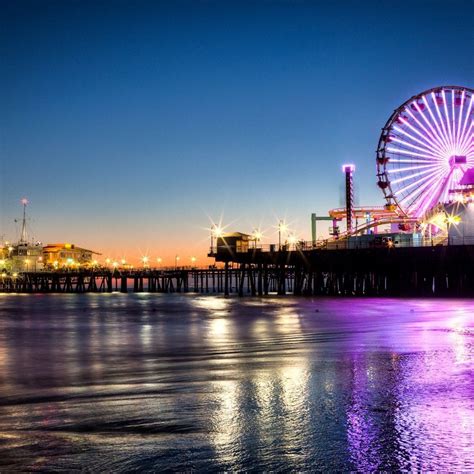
<point>217,231</point>
<point>349,168</point>
<point>454,220</point>
<point>292,239</point>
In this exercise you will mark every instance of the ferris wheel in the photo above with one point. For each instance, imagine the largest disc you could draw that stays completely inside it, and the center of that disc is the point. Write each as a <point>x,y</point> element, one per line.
<point>425,148</point>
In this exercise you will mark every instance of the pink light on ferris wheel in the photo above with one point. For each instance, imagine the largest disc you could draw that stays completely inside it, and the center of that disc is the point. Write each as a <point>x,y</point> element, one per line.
<point>425,148</point>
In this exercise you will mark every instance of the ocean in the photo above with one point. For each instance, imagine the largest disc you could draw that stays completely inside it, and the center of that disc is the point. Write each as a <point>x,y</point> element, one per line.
<point>157,382</point>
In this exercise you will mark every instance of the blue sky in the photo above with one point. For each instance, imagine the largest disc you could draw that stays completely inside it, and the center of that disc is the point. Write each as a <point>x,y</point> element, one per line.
<point>127,124</point>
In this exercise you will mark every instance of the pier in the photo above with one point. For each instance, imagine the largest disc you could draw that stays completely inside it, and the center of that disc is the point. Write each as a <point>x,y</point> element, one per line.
<point>406,271</point>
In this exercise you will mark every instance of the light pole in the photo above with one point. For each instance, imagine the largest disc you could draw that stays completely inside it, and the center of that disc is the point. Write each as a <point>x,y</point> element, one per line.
<point>292,240</point>
<point>176,260</point>
<point>213,230</point>
<point>158,260</point>
<point>193,261</point>
<point>257,235</point>
<point>281,228</point>
<point>216,232</point>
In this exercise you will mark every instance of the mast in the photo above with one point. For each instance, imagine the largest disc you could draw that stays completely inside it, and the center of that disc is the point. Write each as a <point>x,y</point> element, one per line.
<point>23,236</point>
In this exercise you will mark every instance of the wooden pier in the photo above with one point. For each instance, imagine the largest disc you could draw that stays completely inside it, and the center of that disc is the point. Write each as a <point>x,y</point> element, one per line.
<point>424,271</point>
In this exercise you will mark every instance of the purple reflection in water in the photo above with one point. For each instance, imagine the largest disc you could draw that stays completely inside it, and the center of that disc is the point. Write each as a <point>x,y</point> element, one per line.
<point>122,382</point>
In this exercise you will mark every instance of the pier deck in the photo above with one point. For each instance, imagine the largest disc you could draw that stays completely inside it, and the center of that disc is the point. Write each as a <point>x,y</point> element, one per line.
<point>415,271</point>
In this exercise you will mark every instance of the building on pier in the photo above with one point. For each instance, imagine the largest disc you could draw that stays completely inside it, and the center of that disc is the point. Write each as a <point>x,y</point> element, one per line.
<point>234,242</point>
<point>61,255</point>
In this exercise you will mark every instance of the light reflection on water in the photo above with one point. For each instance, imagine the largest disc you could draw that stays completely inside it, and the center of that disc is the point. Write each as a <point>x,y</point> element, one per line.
<point>152,382</point>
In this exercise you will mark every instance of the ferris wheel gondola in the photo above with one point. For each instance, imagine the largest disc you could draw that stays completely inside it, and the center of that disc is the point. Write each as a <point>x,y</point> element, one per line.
<point>425,149</point>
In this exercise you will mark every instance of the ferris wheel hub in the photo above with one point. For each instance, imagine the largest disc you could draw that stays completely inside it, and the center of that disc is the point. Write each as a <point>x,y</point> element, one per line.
<point>457,160</point>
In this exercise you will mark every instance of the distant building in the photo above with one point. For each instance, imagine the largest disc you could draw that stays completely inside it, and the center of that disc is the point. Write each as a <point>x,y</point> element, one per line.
<point>67,255</point>
<point>22,257</point>
<point>235,242</point>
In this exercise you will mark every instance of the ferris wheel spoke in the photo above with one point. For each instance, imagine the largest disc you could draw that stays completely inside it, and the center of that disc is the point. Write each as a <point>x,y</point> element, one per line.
<point>398,160</point>
<point>461,107</point>
<point>421,184</point>
<point>453,125</point>
<point>466,136</point>
<point>416,194</point>
<point>466,147</point>
<point>430,141</point>
<point>428,147</point>
<point>441,147</point>
<point>425,179</point>
<point>446,115</point>
<point>440,117</point>
<point>411,176</point>
<point>431,198</point>
<point>408,153</point>
<point>439,133</point>
<point>410,168</point>
<point>416,147</point>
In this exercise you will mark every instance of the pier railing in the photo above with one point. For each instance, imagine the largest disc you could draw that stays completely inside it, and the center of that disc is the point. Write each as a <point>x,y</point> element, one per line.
<point>380,241</point>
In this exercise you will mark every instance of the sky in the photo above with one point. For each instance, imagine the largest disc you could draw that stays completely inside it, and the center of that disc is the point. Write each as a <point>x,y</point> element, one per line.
<point>131,126</point>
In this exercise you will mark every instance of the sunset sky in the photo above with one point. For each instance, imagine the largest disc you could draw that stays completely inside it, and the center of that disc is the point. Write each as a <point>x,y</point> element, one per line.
<point>129,125</point>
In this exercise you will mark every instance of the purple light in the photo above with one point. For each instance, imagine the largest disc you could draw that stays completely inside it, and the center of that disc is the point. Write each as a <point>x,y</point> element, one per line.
<point>431,146</point>
<point>349,168</point>
<point>457,160</point>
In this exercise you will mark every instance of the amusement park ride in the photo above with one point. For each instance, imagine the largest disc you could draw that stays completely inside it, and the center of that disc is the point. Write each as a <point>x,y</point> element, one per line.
<point>425,168</point>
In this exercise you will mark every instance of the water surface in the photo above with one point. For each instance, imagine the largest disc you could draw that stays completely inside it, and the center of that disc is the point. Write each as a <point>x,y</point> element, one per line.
<point>167,382</point>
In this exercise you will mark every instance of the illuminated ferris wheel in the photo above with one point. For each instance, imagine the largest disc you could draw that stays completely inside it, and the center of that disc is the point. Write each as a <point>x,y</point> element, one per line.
<point>425,149</point>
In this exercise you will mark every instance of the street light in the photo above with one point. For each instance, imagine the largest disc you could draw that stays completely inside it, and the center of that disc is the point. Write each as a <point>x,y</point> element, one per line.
<point>158,260</point>
<point>282,227</point>
<point>193,260</point>
<point>176,260</point>
<point>216,232</point>
<point>292,239</point>
<point>145,260</point>
<point>257,236</point>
